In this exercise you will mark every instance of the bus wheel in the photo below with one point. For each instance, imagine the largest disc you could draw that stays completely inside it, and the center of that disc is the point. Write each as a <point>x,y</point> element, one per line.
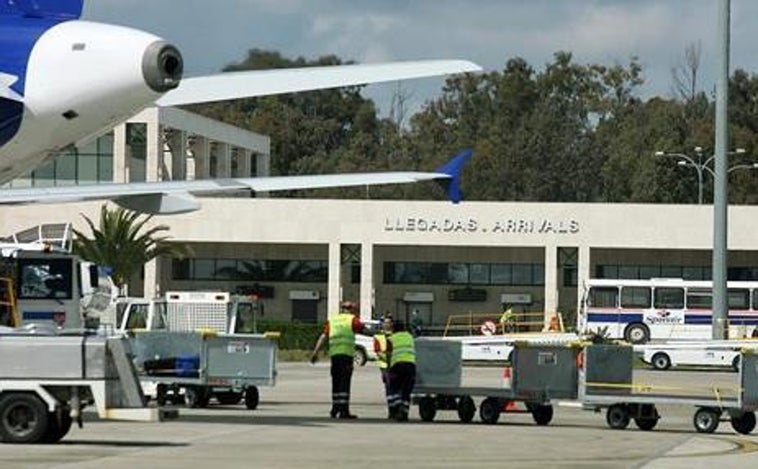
<point>637,333</point>
<point>661,361</point>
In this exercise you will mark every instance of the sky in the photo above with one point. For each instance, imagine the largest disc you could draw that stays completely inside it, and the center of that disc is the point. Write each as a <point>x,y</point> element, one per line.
<point>212,34</point>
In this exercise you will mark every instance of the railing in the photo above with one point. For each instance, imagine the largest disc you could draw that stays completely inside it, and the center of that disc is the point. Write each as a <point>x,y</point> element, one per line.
<point>490,323</point>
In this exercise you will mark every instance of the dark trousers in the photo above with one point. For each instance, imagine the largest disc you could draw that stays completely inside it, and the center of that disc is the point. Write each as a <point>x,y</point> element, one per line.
<point>402,378</point>
<point>342,373</point>
<point>387,390</point>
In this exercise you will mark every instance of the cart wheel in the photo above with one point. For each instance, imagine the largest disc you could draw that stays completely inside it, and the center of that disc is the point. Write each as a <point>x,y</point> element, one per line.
<point>744,423</point>
<point>229,397</point>
<point>489,410</point>
<point>23,418</point>
<point>252,397</point>
<point>196,396</point>
<point>427,409</point>
<point>161,391</point>
<point>466,409</point>
<point>648,418</point>
<point>617,416</point>
<point>542,414</point>
<point>57,426</point>
<point>706,420</point>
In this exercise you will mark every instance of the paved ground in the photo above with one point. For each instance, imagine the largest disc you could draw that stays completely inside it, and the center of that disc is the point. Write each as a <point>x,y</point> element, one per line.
<point>291,429</point>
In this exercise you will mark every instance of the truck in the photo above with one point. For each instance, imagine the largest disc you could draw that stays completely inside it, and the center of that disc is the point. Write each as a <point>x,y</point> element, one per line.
<point>194,346</point>
<point>48,378</point>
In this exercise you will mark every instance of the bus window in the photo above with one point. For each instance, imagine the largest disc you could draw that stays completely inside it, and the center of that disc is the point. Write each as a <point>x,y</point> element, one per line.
<point>635,297</point>
<point>738,298</point>
<point>669,298</point>
<point>699,299</point>
<point>604,297</point>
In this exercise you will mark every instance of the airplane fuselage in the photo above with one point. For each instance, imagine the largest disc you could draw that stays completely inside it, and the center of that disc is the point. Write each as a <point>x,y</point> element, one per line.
<point>79,79</point>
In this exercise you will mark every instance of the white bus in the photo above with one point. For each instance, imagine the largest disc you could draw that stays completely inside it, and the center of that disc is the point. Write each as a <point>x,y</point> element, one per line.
<point>664,309</point>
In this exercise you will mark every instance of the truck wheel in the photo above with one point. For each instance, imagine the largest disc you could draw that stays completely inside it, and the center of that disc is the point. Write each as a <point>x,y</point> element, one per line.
<point>466,409</point>
<point>359,357</point>
<point>161,390</point>
<point>744,423</point>
<point>646,423</point>
<point>661,361</point>
<point>196,397</point>
<point>252,397</point>
<point>542,414</point>
<point>427,409</point>
<point>617,416</point>
<point>637,333</point>
<point>706,420</point>
<point>23,418</point>
<point>57,426</point>
<point>228,397</point>
<point>489,410</point>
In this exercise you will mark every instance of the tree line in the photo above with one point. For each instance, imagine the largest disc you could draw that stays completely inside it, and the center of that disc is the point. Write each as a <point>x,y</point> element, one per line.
<point>568,132</point>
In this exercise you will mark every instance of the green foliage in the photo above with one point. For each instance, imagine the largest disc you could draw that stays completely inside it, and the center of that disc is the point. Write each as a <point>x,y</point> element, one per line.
<point>294,335</point>
<point>123,241</point>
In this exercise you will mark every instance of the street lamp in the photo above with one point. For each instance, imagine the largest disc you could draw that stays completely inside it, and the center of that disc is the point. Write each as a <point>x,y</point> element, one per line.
<point>702,166</point>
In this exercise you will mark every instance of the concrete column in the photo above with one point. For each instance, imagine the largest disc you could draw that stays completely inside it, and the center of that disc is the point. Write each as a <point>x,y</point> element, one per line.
<point>583,273</point>
<point>150,289</point>
<point>153,158</point>
<point>334,289</point>
<point>244,163</point>
<point>202,154</point>
<point>119,153</point>
<point>178,144</point>
<point>551,279</point>
<point>223,160</point>
<point>262,169</point>
<point>367,280</point>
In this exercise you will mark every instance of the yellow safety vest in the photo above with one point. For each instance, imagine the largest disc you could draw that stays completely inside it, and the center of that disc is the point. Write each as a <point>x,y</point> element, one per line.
<point>403,348</point>
<point>381,355</point>
<point>341,335</point>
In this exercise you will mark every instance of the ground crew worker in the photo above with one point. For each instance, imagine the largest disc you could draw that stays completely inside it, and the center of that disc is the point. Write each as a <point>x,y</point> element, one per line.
<point>340,332</point>
<point>401,350</point>
<point>380,348</point>
<point>507,320</point>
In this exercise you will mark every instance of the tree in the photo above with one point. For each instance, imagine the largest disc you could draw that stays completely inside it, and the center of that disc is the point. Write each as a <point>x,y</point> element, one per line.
<point>120,243</point>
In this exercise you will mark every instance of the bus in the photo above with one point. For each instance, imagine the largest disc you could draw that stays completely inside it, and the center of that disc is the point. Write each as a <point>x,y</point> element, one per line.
<point>664,309</point>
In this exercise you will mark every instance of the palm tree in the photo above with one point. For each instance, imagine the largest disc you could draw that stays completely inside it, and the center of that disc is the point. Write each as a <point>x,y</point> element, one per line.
<point>118,243</point>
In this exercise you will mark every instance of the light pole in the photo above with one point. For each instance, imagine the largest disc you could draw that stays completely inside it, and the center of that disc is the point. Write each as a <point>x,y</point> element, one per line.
<point>701,166</point>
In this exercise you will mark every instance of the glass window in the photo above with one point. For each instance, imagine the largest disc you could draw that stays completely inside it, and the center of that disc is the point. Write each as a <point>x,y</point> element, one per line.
<point>251,270</point>
<point>538,274</point>
<point>604,297</point>
<point>699,298</point>
<point>45,278</point>
<point>692,273</point>
<point>203,269</point>
<point>479,274</point>
<point>607,271</point>
<point>226,269</point>
<point>738,298</point>
<point>437,273</point>
<point>180,269</point>
<point>669,298</point>
<point>137,317</point>
<point>671,271</point>
<point>629,272</point>
<point>649,271</point>
<point>635,297</point>
<point>522,274</point>
<point>501,274</point>
<point>457,273</point>
<point>87,168</point>
<point>65,168</point>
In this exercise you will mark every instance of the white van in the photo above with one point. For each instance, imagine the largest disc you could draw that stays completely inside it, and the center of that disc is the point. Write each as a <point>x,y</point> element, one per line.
<point>725,353</point>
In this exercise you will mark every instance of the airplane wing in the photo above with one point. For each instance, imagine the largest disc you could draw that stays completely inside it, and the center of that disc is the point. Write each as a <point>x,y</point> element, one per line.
<point>172,197</point>
<point>236,85</point>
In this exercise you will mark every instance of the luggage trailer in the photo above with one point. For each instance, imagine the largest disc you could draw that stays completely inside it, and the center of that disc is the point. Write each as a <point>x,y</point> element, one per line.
<point>540,374</point>
<point>47,381</point>
<point>204,365</point>
<point>607,383</point>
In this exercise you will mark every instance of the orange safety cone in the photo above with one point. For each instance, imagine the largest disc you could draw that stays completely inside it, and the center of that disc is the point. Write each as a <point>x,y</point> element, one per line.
<point>507,377</point>
<point>510,406</point>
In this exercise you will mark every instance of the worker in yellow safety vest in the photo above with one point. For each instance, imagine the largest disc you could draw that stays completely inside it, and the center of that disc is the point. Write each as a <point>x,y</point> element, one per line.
<point>401,351</point>
<point>380,348</point>
<point>508,320</point>
<point>340,332</point>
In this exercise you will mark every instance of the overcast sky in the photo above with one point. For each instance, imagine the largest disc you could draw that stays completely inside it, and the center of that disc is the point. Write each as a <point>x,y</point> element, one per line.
<point>211,34</point>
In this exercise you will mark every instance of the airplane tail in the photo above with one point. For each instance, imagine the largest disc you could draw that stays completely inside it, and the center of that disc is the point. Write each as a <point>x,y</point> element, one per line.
<point>52,9</point>
<point>453,168</point>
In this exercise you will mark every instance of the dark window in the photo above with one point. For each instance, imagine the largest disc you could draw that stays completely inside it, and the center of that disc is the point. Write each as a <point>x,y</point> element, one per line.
<point>635,297</point>
<point>669,298</point>
<point>699,299</point>
<point>738,298</point>
<point>45,279</point>
<point>604,297</point>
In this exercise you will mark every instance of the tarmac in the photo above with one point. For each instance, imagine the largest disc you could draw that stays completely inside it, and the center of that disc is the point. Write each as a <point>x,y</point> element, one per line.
<point>291,429</point>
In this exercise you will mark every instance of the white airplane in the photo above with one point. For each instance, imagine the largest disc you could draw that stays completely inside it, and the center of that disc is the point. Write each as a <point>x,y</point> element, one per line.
<point>63,81</point>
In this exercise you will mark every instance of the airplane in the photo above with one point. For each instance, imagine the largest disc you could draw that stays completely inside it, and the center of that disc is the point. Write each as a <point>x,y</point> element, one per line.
<point>64,81</point>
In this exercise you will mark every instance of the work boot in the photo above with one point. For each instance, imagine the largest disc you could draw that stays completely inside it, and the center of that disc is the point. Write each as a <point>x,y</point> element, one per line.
<point>345,414</point>
<point>334,412</point>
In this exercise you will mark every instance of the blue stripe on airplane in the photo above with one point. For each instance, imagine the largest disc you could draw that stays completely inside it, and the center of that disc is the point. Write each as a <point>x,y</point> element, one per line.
<point>60,9</point>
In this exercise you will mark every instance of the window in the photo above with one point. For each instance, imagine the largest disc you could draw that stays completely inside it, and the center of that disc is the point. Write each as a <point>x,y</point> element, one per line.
<point>457,273</point>
<point>699,299</point>
<point>522,274</point>
<point>738,298</point>
<point>501,274</point>
<point>45,279</point>
<point>604,297</point>
<point>635,297</point>
<point>669,298</point>
<point>479,274</point>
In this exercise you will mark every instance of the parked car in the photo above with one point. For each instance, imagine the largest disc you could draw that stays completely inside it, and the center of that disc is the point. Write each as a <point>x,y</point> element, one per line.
<point>364,343</point>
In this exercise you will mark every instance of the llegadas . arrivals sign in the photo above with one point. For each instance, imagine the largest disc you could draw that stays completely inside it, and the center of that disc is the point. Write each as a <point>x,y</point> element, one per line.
<point>473,225</point>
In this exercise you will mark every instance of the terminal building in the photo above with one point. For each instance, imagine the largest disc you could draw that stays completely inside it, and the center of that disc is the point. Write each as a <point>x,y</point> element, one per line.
<point>303,256</point>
